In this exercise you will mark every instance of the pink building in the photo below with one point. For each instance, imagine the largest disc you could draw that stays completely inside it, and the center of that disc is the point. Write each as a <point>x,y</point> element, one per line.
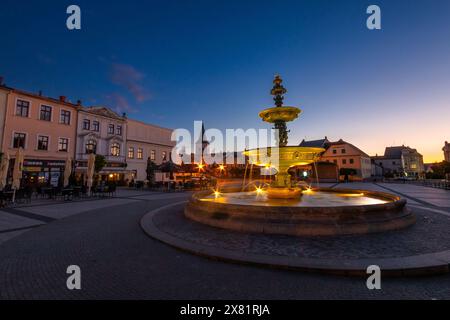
<point>44,127</point>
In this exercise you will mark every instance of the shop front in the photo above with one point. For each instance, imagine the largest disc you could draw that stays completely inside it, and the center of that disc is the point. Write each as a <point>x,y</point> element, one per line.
<point>43,172</point>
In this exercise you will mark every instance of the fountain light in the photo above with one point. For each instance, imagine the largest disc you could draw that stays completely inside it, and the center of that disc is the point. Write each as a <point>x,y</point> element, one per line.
<point>259,190</point>
<point>216,194</point>
<point>221,167</point>
<point>200,166</point>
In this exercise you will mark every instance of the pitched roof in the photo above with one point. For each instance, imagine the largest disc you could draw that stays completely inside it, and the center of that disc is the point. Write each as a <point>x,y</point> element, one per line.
<point>314,143</point>
<point>396,152</point>
<point>340,142</point>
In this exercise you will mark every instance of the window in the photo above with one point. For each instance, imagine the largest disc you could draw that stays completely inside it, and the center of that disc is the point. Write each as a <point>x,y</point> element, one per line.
<point>344,161</point>
<point>164,156</point>
<point>42,143</point>
<point>352,161</point>
<point>343,151</point>
<point>46,113</point>
<point>86,124</point>
<point>119,130</point>
<point>91,146</point>
<point>334,151</point>
<point>335,161</point>
<point>413,166</point>
<point>63,145</point>
<point>19,140</point>
<point>131,153</point>
<point>115,149</point>
<point>111,129</point>
<point>22,108</point>
<point>140,153</point>
<point>153,155</point>
<point>96,126</point>
<point>65,117</point>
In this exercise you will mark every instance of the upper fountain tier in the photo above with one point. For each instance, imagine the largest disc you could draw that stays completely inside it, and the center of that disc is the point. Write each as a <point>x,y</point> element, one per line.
<point>279,113</point>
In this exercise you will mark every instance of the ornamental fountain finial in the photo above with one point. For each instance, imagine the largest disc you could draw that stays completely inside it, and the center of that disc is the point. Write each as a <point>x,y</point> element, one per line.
<point>278,91</point>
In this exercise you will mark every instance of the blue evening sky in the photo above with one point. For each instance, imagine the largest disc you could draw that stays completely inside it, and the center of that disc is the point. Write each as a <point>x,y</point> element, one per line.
<point>172,62</point>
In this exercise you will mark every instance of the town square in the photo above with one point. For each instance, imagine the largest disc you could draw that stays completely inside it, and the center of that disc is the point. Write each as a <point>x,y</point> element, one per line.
<point>225,152</point>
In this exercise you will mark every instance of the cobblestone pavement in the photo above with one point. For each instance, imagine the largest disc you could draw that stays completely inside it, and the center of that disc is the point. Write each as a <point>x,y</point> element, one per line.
<point>429,234</point>
<point>118,261</point>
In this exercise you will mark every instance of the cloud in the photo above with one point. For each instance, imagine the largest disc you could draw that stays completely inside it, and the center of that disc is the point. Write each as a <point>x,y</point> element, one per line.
<point>129,78</point>
<point>119,103</point>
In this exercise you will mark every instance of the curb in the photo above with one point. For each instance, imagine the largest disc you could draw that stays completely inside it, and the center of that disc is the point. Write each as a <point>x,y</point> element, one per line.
<point>418,265</point>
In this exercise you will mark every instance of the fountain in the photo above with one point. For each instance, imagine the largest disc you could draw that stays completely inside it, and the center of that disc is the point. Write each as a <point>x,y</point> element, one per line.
<point>293,209</point>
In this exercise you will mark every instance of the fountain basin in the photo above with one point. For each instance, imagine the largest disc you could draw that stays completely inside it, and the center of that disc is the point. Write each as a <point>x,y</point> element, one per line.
<point>323,212</point>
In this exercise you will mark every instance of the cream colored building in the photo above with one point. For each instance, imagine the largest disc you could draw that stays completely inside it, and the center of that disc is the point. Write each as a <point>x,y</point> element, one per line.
<point>102,132</point>
<point>146,141</point>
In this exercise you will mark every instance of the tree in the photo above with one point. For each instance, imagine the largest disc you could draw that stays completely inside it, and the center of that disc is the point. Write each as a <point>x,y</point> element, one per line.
<point>100,163</point>
<point>151,168</point>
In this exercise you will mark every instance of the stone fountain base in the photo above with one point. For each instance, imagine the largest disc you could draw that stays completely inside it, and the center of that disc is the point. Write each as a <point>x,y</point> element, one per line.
<point>303,221</point>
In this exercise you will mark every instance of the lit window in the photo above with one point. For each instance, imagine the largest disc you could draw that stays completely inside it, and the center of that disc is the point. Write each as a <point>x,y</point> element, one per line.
<point>46,113</point>
<point>22,108</point>
<point>115,149</point>
<point>42,143</point>
<point>63,145</point>
<point>153,155</point>
<point>140,153</point>
<point>91,146</point>
<point>19,140</point>
<point>131,153</point>
<point>65,117</point>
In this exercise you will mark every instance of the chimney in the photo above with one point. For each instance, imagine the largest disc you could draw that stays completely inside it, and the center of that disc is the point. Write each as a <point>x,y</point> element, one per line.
<point>62,98</point>
<point>78,102</point>
<point>40,93</point>
<point>124,115</point>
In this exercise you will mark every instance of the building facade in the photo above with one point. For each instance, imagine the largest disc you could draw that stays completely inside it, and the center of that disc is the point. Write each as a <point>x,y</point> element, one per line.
<point>446,150</point>
<point>401,161</point>
<point>146,142</point>
<point>45,128</point>
<point>350,160</point>
<point>102,132</point>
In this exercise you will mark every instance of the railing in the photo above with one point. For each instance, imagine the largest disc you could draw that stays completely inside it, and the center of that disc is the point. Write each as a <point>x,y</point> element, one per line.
<point>439,184</point>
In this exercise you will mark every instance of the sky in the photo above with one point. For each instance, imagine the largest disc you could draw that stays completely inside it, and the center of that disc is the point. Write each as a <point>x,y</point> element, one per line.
<point>172,62</point>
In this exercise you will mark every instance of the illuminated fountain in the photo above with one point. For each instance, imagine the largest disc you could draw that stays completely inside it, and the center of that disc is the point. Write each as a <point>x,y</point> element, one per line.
<point>291,209</point>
